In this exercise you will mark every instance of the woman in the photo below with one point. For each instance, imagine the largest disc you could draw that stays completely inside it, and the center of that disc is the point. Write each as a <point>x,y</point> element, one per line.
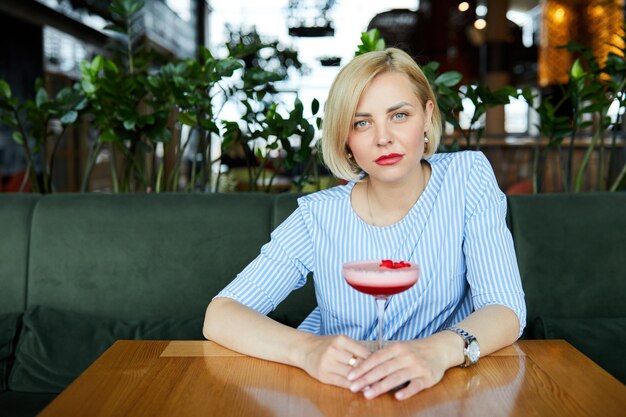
<point>443,212</point>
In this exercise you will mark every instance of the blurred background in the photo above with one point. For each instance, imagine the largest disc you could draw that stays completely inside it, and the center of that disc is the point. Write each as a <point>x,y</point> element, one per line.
<point>495,44</point>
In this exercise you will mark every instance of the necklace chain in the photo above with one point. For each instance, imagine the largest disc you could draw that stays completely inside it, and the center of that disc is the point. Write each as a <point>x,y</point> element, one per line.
<point>367,196</point>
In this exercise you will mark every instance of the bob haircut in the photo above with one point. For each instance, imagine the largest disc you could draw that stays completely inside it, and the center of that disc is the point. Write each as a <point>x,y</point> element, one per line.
<point>344,96</point>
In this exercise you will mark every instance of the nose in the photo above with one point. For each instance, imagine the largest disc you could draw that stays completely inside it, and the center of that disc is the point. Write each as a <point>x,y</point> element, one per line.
<point>383,136</point>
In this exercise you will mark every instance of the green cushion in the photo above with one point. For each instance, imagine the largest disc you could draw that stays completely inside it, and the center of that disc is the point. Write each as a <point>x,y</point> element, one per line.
<point>297,306</point>
<point>16,211</point>
<point>570,250</point>
<point>284,205</point>
<point>55,346</point>
<point>9,324</point>
<point>142,256</point>
<point>601,339</point>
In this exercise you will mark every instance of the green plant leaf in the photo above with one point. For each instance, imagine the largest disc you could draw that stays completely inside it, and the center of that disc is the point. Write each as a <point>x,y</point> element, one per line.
<point>315,106</point>
<point>96,64</point>
<point>109,67</point>
<point>5,90</point>
<point>129,124</point>
<point>187,119</point>
<point>115,28</point>
<point>88,86</point>
<point>18,137</point>
<point>108,136</point>
<point>9,120</point>
<point>577,71</point>
<point>449,78</point>
<point>41,98</point>
<point>226,67</point>
<point>69,117</point>
<point>133,6</point>
<point>370,41</point>
<point>431,66</point>
<point>528,96</point>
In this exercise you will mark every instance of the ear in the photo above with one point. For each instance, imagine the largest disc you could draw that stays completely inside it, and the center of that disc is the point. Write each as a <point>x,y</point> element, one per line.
<point>428,115</point>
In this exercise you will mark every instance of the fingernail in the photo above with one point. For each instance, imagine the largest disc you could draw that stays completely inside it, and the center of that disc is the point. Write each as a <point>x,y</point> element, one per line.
<point>354,387</point>
<point>399,395</point>
<point>368,394</point>
<point>351,376</point>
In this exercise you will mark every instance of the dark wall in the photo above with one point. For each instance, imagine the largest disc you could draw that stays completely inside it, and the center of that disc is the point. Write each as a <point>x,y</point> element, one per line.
<point>21,63</point>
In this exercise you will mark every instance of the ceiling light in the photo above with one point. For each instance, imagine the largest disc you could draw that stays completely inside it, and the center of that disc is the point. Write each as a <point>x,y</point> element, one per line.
<point>480,24</point>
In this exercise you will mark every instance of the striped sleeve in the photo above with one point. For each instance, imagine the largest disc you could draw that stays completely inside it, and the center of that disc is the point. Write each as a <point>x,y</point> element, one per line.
<point>281,267</point>
<point>492,270</point>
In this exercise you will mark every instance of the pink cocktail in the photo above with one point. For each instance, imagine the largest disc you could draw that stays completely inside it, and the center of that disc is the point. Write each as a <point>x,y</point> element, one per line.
<point>380,279</point>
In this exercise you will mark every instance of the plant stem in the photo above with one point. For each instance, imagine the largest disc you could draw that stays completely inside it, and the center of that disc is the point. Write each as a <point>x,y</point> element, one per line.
<point>129,47</point>
<point>25,179</point>
<point>29,158</point>
<point>205,177</point>
<point>570,158</point>
<point>90,164</point>
<point>535,175</point>
<point>113,164</point>
<point>57,141</point>
<point>172,180</point>
<point>159,178</point>
<point>585,161</point>
<point>620,178</point>
<point>45,173</point>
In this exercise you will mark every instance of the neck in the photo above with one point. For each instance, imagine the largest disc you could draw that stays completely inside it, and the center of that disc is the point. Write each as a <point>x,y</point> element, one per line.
<point>389,202</point>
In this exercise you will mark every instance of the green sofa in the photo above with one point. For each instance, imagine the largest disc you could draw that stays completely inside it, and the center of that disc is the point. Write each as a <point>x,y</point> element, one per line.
<point>80,271</point>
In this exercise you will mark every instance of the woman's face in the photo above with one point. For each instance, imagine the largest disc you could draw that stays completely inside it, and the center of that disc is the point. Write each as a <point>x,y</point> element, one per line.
<point>387,133</point>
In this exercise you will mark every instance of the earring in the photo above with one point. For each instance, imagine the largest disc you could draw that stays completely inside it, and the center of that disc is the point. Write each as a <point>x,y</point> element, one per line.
<point>349,155</point>
<point>425,138</point>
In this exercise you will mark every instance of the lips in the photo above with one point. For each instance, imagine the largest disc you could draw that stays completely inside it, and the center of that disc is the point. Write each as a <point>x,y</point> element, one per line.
<point>389,159</point>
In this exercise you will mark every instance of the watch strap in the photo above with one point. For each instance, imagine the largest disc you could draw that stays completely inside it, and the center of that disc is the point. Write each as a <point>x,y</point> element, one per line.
<point>467,338</point>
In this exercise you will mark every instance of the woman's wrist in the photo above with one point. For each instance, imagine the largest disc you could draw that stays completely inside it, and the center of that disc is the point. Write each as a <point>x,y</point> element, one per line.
<point>450,346</point>
<point>299,348</point>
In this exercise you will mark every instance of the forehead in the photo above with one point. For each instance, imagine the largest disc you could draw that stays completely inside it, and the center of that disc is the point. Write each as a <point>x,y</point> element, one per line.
<point>388,88</point>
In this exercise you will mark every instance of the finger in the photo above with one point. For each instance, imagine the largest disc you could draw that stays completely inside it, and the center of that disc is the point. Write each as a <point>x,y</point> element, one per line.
<point>350,359</point>
<point>343,370</point>
<point>338,380</point>
<point>413,388</point>
<point>357,349</point>
<point>387,384</point>
<point>375,367</point>
<point>389,377</point>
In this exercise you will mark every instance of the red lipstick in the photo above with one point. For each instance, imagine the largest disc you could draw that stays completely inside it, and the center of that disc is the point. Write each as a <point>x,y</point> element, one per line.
<point>389,159</point>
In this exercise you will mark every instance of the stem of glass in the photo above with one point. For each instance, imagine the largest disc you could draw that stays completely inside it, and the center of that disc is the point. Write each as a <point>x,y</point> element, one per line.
<point>380,308</point>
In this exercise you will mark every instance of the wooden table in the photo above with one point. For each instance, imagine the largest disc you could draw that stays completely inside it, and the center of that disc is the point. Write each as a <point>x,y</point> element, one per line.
<point>185,378</point>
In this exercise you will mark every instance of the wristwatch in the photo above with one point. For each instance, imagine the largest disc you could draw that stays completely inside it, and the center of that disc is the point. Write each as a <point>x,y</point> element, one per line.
<point>471,350</point>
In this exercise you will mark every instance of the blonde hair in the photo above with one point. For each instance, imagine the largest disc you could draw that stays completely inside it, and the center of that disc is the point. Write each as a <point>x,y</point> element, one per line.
<point>344,96</point>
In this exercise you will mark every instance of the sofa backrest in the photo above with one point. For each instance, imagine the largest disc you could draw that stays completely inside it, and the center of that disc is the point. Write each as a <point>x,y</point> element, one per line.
<point>569,248</point>
<point>83,256</point>
<point>571,252</point>
<point>15,219</point>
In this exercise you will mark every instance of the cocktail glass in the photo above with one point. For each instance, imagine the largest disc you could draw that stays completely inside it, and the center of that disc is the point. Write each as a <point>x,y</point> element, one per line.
<point>381,279</point>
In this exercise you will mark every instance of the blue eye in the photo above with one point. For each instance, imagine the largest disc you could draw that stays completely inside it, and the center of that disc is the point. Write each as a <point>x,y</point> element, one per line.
<point>400,116</point>
<point>360,124</point>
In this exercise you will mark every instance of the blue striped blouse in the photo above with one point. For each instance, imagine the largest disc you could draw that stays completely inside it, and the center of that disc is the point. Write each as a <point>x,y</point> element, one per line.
<point>455,232</point>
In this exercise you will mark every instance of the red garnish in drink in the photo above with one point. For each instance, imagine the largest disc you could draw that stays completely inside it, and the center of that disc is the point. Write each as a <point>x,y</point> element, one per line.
<point>388,263</point>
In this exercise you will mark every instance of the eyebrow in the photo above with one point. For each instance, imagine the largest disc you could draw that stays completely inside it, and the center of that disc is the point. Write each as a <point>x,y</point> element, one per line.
<point>389,110</point>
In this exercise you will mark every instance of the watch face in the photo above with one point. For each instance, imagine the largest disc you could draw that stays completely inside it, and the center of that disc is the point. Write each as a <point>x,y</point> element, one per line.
<point>473,351</point>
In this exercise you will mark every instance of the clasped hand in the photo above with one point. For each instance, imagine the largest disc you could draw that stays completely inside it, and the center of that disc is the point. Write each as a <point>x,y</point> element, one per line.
<point>414,365</point>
